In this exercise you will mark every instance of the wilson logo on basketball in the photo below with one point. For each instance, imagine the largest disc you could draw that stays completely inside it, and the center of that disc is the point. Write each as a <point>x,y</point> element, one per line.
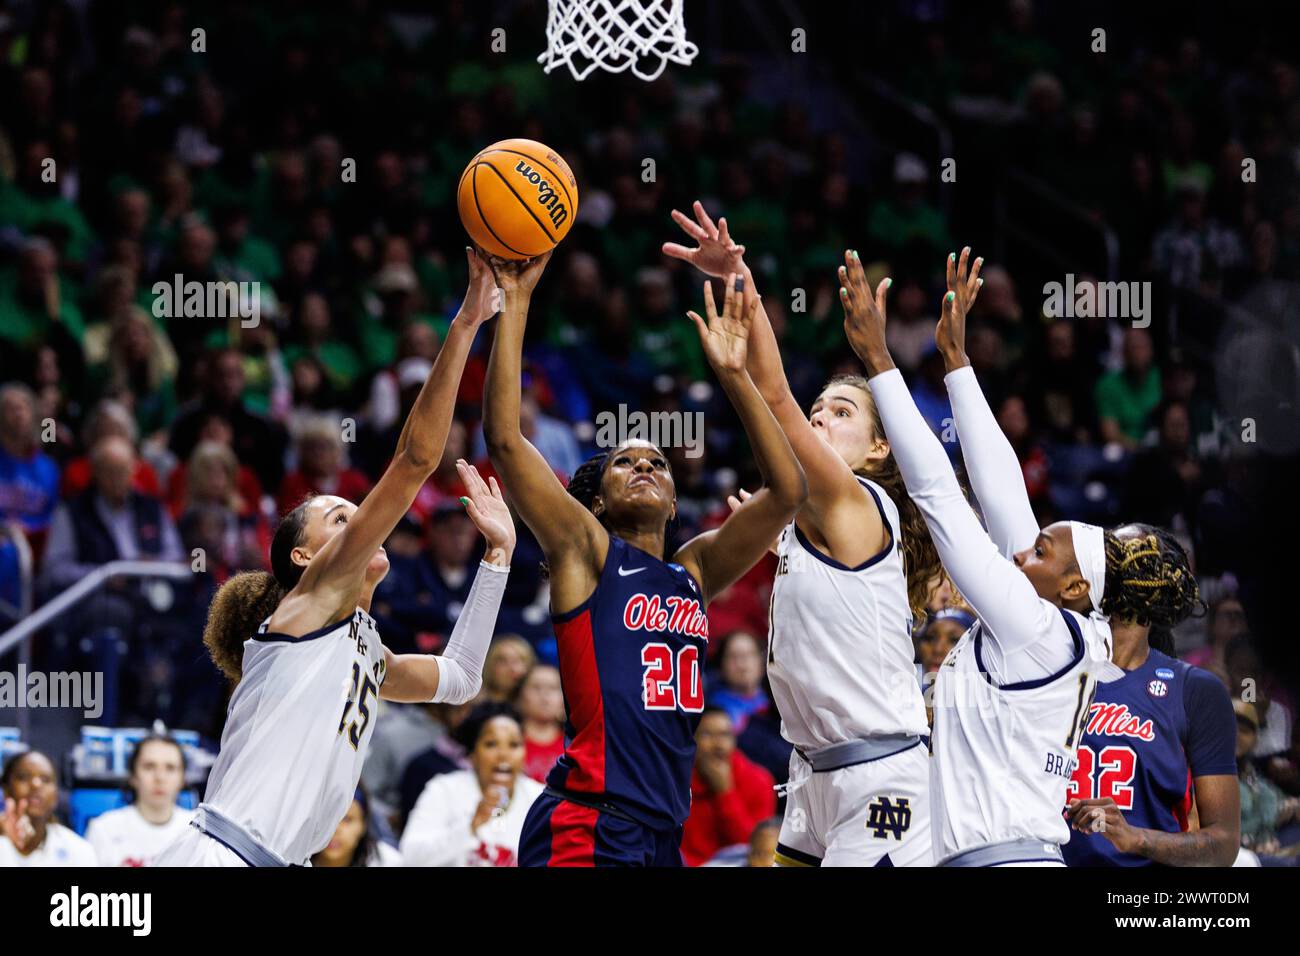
<point>678,614</point>
<point>546,196</point>
<point>1114,720</point>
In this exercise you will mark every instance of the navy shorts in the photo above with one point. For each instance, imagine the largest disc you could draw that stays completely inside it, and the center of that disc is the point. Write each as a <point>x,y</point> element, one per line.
<point>559,832</point>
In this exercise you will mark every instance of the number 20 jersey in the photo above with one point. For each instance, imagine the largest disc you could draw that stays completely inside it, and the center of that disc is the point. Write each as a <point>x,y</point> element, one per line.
<point>1002,756</point>
<point>632,662</point>
<point>297,730</point>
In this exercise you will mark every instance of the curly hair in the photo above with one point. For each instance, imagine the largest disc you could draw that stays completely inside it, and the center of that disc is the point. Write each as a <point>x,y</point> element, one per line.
<point>1149,579</point>
<point>921,558</point>
<point>248,599</point>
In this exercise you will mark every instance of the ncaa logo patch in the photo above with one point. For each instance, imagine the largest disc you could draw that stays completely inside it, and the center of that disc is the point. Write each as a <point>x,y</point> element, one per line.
<point>1157,688</point>
<point>1164,673</point>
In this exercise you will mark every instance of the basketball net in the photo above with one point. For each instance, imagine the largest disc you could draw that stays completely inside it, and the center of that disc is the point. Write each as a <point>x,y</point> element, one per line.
<point>616,35</point>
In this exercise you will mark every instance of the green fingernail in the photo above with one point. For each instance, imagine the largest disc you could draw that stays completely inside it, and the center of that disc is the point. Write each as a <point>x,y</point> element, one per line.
<point>464,501</point>
<point>979,282</point>
<point>855,256</point>
<point>844,293</point>
<point>888,283</point>
<point>952,257</point>
<point>950,296</point>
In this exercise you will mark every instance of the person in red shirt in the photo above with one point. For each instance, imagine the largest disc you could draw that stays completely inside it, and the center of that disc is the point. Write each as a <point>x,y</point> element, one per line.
<point>321,469</point>
<point>540,702</point>
<point>730,794</point>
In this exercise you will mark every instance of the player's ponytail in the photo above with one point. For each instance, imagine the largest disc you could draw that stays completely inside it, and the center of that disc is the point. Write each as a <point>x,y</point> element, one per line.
<point>1149,579</point>
<point>246,600</point>
<point>920,557</point>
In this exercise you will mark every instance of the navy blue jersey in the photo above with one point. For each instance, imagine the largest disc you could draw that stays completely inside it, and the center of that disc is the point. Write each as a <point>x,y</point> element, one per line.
<point>1148,734</point>
<point>631,665</point>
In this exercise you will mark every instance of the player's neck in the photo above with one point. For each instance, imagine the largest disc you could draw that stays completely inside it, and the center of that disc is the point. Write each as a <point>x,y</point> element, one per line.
<point>1131,646</point>
<point>651,542</point>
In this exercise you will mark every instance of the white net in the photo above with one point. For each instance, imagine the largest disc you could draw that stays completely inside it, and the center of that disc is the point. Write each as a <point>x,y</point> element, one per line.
<point>616,35</point>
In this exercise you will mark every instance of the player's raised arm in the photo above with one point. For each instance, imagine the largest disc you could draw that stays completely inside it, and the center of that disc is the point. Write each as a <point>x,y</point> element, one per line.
<point>831,482</point>
<point>718,558</point>
<point>1001,595</point>
<point>991,462</point>
<point>560,524</point>
<point>340,563</point>
<point>456,675</point>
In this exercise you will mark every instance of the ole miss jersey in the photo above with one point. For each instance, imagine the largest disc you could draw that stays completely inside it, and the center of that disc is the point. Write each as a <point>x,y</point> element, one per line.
<point>1148,734</point>
<point>631,666</point>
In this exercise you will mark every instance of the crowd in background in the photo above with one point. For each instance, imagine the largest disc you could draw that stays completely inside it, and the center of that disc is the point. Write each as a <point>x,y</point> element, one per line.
<point>126,434</point>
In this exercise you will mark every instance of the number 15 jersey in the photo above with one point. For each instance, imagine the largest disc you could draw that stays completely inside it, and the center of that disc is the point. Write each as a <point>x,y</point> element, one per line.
<point>297,731</point>
<point>632,669</point>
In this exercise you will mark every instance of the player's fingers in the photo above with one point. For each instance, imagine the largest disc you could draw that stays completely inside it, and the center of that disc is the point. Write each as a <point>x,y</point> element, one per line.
<point>678,251</point>
<point>705,221</point>
<point>733,502</point>
<point>881,291</point>
<point>962,261</point>
<point>950,270</point>
<point>973,281</point>
<point>729,296</point>
<point>496,490</point>
<point>699,324</point>
<point>710,306</point>
<point>745,495</point>
<point>689,226</point>
<point>723,236</point>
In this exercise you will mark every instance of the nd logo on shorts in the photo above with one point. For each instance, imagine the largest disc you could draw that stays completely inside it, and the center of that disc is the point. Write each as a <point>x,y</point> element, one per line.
<point>889,816</point>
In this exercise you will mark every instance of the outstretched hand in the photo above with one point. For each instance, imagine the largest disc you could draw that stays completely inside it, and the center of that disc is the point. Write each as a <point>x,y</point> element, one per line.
<point>864,314</point>
<point>481,302</point>
<point>725,336</point>
<point>487,509</point>
<point>519,276</point>
<point>963,286</point>
<point>716,254</point>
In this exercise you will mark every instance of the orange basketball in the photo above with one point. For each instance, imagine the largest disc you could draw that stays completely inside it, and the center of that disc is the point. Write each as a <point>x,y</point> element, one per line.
<point>517,198</point>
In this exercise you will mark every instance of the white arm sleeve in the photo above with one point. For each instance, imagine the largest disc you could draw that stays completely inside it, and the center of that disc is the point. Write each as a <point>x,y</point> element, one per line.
<point>992,465</point>
<point>460,665</point>
<point>1025,637</point>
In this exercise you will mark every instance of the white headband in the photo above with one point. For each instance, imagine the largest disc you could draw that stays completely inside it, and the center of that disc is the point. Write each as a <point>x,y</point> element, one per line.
<point>1090,553</point>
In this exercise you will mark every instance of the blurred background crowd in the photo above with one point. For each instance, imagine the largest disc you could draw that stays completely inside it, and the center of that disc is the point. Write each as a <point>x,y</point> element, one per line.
<point>124,434</point>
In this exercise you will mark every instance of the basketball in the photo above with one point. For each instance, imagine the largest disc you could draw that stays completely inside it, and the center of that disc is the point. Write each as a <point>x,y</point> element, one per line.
<point>517,198</point>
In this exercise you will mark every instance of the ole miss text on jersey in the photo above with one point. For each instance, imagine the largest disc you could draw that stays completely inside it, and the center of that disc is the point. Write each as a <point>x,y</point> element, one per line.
<point>1147,736</point>
<point>632,669</point>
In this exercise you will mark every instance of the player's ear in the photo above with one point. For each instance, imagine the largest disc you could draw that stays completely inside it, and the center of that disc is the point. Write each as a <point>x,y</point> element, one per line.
<point>1076,588</point>
<point>597,506</point>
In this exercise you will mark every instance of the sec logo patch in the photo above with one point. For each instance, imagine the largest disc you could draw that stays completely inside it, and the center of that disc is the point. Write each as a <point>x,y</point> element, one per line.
<point>1157,688</point>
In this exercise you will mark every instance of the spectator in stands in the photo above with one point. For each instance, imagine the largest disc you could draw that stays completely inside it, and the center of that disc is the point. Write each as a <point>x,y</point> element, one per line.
<point>943,629</point>
<point>108,419</point>
<point>216,429</point>
<point>322,468</point>
<point>139,369</point>
<point>257,442</point>
<point>1166,481</point>
<point>730,793</point>
<point>1248,680</point>
<point>1226,621</point>
<point>212,482</point>
<point>133,835</point>
<point>1126,398</point>
<point>1264,807</point>
<point>29,478</point>
<point>739,689</point>
<point>354,843</point>
<point>1013,417</point>
<point>1061,387</point>
<point>1193,247</point>
<point>540,703</point>
<point>404,732</point>
<point>474,817</point>
<point>37,308</point>
<point>906,217</point>
<point>509,660</point>
<point>29,834</point>
<point>108,522</point>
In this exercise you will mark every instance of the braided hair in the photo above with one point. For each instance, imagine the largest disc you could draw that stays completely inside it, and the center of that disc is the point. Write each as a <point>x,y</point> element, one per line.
<point>1149,579</point>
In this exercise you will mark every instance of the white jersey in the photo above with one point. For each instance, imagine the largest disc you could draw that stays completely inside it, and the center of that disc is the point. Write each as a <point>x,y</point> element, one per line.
<point>296,734</point>
<point>123,837</point>
<point>61,847</point>
<point>1002,757</point>
<point>840,642</point>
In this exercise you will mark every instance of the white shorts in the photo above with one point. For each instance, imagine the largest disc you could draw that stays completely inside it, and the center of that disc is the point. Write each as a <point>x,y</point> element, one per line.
<point>871,814</point>
<point>196,848</point>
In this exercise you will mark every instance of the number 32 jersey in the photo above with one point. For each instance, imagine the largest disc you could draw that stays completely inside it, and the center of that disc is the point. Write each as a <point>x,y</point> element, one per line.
<point>297,730</point>
<point>632,669</point>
